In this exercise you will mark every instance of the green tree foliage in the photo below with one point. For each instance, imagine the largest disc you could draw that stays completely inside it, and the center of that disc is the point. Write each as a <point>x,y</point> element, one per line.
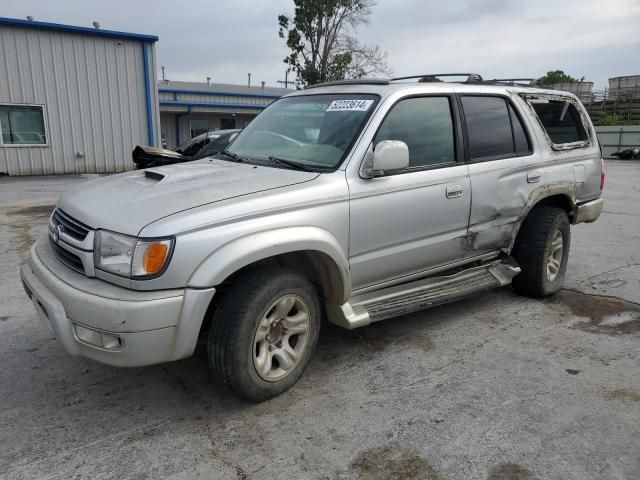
<point>555,76</point>
<point>320,37</point>
<point>613,119</point>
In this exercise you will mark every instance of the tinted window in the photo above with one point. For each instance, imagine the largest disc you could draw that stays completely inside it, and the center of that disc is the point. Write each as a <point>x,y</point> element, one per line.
<point>561,120</point>
<point>425,125</point>
<point>488,126</point>
<point>520,140</point>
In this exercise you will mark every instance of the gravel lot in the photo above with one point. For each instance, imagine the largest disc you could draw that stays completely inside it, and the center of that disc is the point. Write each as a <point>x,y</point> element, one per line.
<point>494,387</point>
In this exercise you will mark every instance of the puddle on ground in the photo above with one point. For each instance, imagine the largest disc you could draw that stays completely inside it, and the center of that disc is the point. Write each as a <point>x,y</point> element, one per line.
<point>36,210</point>
<point>624,394</point>
<point>4,318</point>
<point>509,471</point>
<point>392,462</point>
<point>607,315</point>
<point>23,239</point>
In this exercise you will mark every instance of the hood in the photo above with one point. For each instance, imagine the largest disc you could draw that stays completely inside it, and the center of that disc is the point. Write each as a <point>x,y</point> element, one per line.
<point>127,202</point>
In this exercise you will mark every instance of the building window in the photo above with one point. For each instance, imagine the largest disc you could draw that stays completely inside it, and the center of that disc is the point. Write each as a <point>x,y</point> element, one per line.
<point>198,127</point>
<point>227,123</point>
<point>22,125</point>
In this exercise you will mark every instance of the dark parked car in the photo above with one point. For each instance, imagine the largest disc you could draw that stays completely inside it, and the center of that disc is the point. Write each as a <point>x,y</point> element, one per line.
<point>200,146</point>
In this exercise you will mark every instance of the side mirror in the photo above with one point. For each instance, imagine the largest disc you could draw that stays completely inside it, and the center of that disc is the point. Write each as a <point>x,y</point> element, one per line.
<point>390,155</point>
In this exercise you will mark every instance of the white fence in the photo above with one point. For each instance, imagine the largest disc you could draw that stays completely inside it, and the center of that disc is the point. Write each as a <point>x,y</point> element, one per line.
<point>616,138</point>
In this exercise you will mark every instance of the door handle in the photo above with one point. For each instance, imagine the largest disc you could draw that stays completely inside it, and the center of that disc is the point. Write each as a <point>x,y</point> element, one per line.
<point>533,176</point>
<point>454,191</point>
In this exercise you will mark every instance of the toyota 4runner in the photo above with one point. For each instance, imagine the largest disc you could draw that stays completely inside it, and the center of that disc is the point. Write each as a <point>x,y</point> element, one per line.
<point>354,201</point>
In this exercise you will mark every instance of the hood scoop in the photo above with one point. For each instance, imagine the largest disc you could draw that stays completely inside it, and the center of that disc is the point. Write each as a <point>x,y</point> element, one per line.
<point>147,177</point>
<point>157,176</point>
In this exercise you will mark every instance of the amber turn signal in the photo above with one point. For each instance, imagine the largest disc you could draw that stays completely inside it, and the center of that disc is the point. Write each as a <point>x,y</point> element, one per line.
<point>150,257</point>
<point>154,257</point>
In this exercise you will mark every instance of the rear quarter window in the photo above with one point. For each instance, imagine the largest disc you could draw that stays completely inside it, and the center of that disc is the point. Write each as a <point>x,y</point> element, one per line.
<point>561,120</point>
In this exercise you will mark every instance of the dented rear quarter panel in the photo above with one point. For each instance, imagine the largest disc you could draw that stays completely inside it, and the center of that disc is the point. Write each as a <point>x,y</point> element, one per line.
<point>575,163</point>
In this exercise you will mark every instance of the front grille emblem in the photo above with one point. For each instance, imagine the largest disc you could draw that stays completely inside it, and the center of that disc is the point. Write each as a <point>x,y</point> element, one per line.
<point>56,233</point>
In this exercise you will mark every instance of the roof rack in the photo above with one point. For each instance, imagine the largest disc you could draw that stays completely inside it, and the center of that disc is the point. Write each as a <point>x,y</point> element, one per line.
<point>351,81</point>
<point>471,77</point>
<point>511,81</point>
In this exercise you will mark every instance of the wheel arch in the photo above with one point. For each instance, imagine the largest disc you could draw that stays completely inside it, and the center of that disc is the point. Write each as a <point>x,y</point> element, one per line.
<point>561,195</point>
<point>311,250</point>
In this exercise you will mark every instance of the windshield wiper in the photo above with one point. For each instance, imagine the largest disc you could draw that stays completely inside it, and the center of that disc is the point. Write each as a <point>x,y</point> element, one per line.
<point>290,163</point>
<point>231,155</point>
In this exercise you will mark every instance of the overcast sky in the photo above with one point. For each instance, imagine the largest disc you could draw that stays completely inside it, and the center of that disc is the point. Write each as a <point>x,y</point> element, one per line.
<point>225,39</point>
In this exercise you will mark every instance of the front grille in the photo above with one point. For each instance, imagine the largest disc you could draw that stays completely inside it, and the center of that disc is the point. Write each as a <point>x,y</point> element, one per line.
<point>71,260</point>
<point>72,227</point>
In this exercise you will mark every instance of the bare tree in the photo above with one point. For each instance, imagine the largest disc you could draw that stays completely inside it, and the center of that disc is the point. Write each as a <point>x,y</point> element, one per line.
<point>321,39</point>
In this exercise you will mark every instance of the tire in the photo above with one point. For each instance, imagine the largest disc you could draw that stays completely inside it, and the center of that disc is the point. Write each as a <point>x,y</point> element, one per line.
<point>266,304</point>
<point>536,245</point>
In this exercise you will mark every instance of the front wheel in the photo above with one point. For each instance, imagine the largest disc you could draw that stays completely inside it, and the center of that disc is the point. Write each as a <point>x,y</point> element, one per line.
<point>542,251</point>
<point>264,332</point>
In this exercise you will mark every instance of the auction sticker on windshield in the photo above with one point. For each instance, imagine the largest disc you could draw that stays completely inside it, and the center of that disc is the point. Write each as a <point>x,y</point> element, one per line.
<point>349,105</point>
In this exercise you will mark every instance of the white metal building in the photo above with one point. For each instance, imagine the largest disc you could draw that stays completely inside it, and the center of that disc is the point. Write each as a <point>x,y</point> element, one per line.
<point>188,109</point>
<point>74,99</point>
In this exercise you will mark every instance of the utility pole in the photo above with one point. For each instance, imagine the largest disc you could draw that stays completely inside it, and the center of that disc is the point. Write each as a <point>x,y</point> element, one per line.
<point>163,77</point>
<point>249,82</point>
<point>286,81</point>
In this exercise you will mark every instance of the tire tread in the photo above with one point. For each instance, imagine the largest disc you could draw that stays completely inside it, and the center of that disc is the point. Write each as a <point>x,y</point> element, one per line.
<point>530,249</point>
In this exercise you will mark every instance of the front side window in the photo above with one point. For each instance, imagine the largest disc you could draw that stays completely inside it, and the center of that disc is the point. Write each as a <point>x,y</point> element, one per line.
<point>315,131</point>
<point>22,125</point>
<point>426,126</point>
<point>561,120</point>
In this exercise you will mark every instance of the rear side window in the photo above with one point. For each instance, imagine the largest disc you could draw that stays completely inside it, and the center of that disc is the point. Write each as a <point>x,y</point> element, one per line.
<point>488,126</point>
<point>561,120</point>
<point>426,126</point>
<point>493,128</point>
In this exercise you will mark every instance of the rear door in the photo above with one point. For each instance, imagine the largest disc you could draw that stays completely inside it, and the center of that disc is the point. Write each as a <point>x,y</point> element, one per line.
<point>411,221</point>
<point>503,165</point>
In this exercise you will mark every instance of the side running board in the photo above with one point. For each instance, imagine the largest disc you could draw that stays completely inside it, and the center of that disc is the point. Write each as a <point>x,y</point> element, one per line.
<point>421,294</point>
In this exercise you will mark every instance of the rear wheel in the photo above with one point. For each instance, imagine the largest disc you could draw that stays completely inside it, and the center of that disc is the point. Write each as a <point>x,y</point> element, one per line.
<point>542,251</point>
<point>263,333</point>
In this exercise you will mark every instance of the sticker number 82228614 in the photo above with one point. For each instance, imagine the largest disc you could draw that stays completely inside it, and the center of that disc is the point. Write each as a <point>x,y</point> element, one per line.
<point>349,105</point>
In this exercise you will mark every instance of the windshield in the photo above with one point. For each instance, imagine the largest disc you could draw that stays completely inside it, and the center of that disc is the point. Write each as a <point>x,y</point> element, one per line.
<point>312,130</point>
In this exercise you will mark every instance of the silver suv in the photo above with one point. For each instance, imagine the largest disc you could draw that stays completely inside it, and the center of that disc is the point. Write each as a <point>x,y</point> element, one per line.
<point>354,201</point>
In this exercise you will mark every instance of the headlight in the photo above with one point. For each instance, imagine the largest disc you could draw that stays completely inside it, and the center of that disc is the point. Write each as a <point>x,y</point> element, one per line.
<point>130,257</point>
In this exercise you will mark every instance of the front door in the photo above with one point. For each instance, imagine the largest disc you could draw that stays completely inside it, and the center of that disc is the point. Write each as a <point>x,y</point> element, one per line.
<point>414,220</point>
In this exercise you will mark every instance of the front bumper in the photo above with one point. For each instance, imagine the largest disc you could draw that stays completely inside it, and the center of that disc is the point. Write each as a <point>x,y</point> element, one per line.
<point>589,211</point>
<point>150,327</point>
